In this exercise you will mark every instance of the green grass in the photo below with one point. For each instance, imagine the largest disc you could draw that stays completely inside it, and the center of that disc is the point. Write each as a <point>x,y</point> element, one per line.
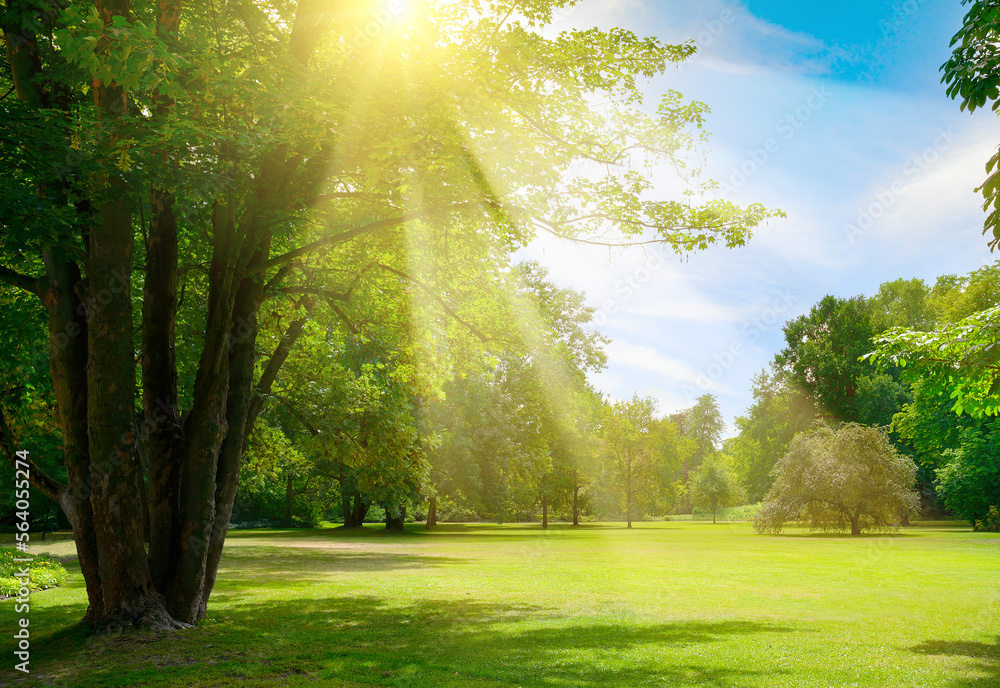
<point>665,604</point>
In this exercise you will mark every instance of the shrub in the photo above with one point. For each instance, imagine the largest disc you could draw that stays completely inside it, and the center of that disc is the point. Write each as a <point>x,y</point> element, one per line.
<point>46,572</point>
<point>991,522</point>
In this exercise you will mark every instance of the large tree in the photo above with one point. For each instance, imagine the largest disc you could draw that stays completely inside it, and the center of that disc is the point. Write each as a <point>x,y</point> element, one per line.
<point>159,157</point>
<point>637,468</point>
<point>822,351</point>
<point>850,478</point>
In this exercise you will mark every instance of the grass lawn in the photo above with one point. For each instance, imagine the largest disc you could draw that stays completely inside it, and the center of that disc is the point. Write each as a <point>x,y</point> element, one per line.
<point>663,604</point>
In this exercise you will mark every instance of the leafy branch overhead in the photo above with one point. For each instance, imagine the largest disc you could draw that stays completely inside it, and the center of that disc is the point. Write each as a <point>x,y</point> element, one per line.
<point>972,74</point>
<point>960,360</point>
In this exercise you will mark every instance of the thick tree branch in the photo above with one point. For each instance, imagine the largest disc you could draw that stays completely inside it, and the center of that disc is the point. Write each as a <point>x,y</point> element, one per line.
<point>38,478</point>
<point>270,374</point>
<point>447,309</point>
<point>342,237</point>
<point>337,239</point>
<point>16,279</point>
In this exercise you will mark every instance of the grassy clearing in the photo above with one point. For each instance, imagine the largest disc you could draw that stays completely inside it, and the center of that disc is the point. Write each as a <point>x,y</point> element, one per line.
<point>666,604</point>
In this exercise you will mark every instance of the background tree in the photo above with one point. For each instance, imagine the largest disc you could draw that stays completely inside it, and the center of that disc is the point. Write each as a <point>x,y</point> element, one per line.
<point>850,478</point>
<point>703,425</point>
<point>632,453</point>
<point>712,486</point>
<point>822,351</point>
<point>969,480</point>
<point>779,411</point>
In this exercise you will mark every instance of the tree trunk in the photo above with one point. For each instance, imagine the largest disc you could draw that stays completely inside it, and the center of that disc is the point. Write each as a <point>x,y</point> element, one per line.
<point>545,513</point>
<point>628,499</point>
<point>345,498</point>
<point>205,428</point>
<point>289,495</point>
<point>395,522</point>
<point>128,591</point>
<point>856,522</point>
<point>432,515</point>
<point>713,515</point>
<point>240,417</point>
<point>68,340</point>
<point>360,510</point>
<point>163,435</point>
<point>576,506</point>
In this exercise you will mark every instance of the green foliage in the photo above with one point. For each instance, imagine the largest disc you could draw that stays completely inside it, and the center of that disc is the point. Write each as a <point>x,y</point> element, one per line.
<point>848,478</point>
<point>959,360</point>
<point>973,77</point>
<point>46,572</point>
<point>822,351</point>
<point>641,456</point>
<point>991,522</point>
<point>955,297</point>
<point>712,486</point>
<point>878,398</point>
<point>777,414</point>
<point>902,303</point>
<point>969,481</point>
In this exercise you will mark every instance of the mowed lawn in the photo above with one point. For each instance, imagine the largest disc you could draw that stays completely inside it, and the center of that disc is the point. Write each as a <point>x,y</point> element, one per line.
<point>663,604</point>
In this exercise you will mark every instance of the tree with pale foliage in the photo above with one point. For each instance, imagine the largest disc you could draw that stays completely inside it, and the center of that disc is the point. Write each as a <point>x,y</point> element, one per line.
<point>712,486</point>
<point>849,477</point>
<point>631,449</point>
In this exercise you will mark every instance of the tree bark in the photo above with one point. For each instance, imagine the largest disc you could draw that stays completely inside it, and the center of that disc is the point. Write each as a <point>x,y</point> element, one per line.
<point>128,592</point>
<point>545,513</point>
<point>359,511</point>
<point>289,496</point>
<point>129,595</point>
<point>161,416</point>
<point>242,410</point>
<point>395,522</point>
<point>856,522</point>
<point>576,505</point>
<point>68,367</point>
<point>628,499</point>
<point>432,512</point>
<point>345,498</point>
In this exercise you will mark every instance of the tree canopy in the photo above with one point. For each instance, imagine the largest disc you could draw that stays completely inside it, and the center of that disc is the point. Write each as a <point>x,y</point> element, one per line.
<point>213,187</point>
<point>848,478</point>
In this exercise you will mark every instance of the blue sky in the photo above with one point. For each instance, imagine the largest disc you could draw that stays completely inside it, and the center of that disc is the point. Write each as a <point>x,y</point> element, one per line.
<point>833,112</point>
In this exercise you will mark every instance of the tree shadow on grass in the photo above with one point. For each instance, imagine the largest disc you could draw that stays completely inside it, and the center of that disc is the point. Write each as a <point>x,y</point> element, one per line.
<point>985,659</point>
<point>308,560</point>
<point>368,641</point>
